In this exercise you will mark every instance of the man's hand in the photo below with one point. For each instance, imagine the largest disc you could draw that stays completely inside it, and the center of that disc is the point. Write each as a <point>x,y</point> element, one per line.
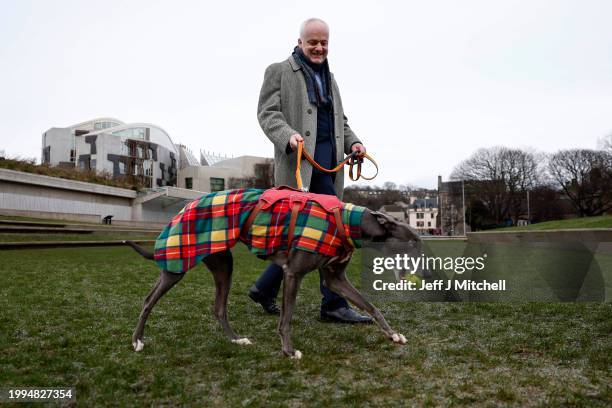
<point>294,140</point>
<point>358,147</point>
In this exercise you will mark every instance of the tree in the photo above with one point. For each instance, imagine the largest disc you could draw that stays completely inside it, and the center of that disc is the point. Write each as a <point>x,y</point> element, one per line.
<point>605,143</point>
<point>499,178</point>
<point>585,176</point>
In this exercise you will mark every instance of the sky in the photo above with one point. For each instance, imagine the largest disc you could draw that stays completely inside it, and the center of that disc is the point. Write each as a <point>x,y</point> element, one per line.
<point>423,84</point>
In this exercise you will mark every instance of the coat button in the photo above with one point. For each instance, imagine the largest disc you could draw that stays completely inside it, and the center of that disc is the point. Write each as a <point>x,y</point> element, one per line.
<point>308,133</point>
<point>309,111</point>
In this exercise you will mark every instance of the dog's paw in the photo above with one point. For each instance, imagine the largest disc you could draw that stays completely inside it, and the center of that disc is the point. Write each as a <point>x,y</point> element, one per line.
<point>138,345</point>
<point>398,338</point>
<point>297,355</point>
<point>243,341</point>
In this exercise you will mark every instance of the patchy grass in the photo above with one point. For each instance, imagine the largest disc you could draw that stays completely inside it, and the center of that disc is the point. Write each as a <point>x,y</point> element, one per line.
<point>603,221</point>
<point>71,173</point>
<point>66,318</point>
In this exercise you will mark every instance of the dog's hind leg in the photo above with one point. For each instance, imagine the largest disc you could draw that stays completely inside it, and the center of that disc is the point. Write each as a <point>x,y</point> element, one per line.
<point>165,282</point>
<point>221,265</point>
<point>335,278</point>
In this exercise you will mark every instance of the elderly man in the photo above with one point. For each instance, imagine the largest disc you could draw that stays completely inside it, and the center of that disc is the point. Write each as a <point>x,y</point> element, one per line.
<point>300,101</point>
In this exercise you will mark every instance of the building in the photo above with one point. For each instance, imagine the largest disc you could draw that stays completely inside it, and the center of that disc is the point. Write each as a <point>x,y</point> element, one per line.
<point>238,172</point>
<point>108,145</point>
<point>451,199</point>
<point>420,213</point>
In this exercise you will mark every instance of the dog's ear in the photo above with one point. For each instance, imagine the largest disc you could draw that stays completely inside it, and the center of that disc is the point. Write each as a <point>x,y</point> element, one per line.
<point>387,221</point>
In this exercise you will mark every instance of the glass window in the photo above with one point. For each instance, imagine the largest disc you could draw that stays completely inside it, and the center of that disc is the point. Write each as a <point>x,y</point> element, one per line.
<point>420,216</point>
<point>189,183</point>
<point>121,168</point>
<point>217,184</point>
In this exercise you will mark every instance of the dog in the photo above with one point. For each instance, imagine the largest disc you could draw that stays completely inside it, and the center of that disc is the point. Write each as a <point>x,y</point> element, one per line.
<point>296,262</point>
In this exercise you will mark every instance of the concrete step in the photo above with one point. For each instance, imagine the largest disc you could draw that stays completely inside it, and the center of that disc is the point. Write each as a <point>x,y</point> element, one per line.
<point>66,244</point>
<point>61,230</point>
<point>76,225</point>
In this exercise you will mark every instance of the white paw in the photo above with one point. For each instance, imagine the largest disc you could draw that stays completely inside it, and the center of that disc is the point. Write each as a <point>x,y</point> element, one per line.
<point>138,345</point>
<point>243,341</point>
<point>297,355</point>
<point>398,338</point>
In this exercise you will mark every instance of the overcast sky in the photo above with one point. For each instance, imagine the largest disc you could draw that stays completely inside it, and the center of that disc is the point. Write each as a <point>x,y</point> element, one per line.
<point>424,84</point>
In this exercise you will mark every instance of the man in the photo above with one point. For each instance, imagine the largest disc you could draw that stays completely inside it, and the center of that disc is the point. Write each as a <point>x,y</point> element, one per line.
<point>300,101</point>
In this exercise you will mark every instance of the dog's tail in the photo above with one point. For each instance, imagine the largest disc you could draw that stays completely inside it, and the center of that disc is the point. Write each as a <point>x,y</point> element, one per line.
<point>146,254</point>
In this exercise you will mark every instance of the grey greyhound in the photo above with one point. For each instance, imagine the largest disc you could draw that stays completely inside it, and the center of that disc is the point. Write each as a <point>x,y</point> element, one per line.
<point>296,264</point>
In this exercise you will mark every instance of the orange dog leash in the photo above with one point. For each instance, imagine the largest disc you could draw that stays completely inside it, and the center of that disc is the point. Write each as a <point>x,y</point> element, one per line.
<point>351,159</point>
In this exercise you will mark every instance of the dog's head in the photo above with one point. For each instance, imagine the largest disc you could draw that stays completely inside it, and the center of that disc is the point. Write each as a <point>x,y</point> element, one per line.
<point>399,237</point>
<point>394,228</point>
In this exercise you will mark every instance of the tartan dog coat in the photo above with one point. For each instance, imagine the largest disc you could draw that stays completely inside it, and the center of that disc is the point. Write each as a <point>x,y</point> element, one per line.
<point>214,224</point>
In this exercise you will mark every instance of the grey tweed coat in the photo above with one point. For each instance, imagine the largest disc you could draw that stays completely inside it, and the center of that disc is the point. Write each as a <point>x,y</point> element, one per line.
<point>284,110</point>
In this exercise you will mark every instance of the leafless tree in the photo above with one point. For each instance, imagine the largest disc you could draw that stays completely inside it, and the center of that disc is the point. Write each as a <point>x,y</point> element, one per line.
<point>500,177</point>
<point>585,176</point>
<point>605,143</point>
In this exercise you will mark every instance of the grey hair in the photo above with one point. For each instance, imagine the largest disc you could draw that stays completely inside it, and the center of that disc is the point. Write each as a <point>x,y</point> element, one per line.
<point>310,20</point>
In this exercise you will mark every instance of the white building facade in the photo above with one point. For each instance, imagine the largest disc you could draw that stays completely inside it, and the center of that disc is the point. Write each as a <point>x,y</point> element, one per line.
<point>110,146</point>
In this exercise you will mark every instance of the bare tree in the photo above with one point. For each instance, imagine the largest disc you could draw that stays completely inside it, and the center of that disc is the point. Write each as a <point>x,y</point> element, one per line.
<point>605,143</point>
<point>500,177</point>
<point>585,176</point>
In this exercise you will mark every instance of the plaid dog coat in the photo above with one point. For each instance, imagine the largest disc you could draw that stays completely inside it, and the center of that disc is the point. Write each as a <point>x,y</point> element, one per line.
<point>214,223</point>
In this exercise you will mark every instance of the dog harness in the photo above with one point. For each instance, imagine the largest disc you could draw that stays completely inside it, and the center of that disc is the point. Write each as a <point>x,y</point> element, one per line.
<point>266,221</point>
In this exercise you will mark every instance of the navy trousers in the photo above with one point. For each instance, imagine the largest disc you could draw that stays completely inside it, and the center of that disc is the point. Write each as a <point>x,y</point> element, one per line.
<point>270,280</point>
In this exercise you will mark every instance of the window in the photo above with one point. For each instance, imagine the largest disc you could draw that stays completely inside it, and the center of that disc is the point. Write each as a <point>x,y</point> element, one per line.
<point>420,216</point>
<point>72,154</point>
<point>121,168</point>
<point>148,167</point>
<point>432,216</point>
<point>189,183</point>
<point>429,223</point>
<point>133,133</point>
<point>420,224</point>
<point>217,184</point>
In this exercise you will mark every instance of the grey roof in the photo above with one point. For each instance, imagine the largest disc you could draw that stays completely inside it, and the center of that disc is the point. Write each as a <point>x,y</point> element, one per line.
<point>210,158</point>
<point>425,203</point>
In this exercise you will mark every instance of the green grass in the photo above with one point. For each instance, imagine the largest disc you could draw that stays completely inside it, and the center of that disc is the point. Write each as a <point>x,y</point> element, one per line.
<point>66,318</point>
<point>603,221</point>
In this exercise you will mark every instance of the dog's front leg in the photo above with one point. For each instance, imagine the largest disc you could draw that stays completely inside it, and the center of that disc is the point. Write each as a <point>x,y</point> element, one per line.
<point>291,283</point>
<point>335,278</point>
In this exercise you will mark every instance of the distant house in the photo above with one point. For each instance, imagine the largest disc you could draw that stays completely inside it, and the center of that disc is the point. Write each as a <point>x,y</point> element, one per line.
<point>420,213</point>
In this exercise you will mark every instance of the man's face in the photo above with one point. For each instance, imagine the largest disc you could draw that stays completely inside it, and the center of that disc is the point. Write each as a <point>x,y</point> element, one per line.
<point>314,43</point>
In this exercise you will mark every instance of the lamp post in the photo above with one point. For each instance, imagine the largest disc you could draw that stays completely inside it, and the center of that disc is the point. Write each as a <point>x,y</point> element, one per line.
<point>528,209</point>
<point>463,199</point>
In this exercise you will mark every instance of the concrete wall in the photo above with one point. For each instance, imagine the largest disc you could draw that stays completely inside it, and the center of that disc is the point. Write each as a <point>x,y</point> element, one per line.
<point>18,196</point>
<point>61,142</point>
<point>34,195</point>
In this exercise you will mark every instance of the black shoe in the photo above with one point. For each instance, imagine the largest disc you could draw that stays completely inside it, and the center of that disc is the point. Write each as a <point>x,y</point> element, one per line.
<point>269,305</point>
<point>344,315</point>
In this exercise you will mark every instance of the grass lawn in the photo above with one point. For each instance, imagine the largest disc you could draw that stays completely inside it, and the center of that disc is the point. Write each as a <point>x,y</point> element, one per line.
<point>67,315</point>
<point>603,221</point>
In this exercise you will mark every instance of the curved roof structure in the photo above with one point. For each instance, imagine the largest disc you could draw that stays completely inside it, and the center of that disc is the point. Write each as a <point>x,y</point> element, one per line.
<point>90,123</point>
<point>157,134</point>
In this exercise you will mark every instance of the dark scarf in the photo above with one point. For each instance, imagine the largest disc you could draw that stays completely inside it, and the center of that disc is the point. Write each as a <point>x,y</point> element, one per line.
<point>318,94</point>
